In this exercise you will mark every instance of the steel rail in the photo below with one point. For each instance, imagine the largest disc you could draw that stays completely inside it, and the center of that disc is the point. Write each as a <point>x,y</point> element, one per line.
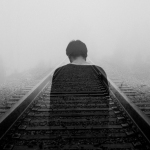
<point>140,119</point>
<point>9,118</point>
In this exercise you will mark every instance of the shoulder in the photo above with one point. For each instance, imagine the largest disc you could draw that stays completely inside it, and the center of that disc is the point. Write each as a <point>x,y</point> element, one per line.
<point>99,68</point>
<point>59,68</point>
<point>55,73</point>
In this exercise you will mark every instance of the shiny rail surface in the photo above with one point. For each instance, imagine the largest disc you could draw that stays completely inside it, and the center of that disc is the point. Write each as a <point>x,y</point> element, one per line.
<point>83,117</point>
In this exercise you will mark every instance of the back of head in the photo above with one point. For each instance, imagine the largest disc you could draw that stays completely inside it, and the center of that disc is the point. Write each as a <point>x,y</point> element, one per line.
<point>76,49</point>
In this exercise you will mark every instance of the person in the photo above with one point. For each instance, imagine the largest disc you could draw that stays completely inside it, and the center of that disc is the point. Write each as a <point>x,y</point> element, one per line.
<point>76,97</point>
<point>77,54</point>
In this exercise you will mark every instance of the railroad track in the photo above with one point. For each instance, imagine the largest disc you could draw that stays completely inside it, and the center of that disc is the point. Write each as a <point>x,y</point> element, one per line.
<point>85,116</point>
<point>135,90</point>
<point>14,97</point>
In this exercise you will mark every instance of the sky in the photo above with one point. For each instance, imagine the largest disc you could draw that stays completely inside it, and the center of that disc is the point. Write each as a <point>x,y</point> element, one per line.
<point>35,31</point>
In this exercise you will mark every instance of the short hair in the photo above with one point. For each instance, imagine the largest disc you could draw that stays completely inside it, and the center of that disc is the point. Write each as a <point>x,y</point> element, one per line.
<point>76,48</point>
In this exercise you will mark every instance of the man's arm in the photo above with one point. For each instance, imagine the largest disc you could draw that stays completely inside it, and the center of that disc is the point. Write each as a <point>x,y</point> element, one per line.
<point>103,75</point>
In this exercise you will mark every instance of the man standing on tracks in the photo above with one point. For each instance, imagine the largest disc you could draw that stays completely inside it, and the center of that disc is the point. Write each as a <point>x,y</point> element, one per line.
<point>79,95</point>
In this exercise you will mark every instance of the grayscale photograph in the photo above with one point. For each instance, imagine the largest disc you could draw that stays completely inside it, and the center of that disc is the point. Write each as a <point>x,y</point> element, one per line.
<point>74,74</point>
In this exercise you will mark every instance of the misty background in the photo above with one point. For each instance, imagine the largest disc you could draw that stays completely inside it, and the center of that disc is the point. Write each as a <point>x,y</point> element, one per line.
<point>37,32</point>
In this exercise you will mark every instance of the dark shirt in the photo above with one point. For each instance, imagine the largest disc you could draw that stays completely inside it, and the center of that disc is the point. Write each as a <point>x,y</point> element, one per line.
<point>101,73</point>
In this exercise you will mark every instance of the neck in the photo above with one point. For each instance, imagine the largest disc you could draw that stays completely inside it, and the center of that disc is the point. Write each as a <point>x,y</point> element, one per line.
<point>78,60</point>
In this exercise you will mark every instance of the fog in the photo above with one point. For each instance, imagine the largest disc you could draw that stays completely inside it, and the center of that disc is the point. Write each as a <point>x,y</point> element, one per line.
<point>35,31</point>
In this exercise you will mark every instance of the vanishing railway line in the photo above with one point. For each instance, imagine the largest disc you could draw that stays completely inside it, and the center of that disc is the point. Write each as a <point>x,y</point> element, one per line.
<point>75,115</point>
<point>138,92</point>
